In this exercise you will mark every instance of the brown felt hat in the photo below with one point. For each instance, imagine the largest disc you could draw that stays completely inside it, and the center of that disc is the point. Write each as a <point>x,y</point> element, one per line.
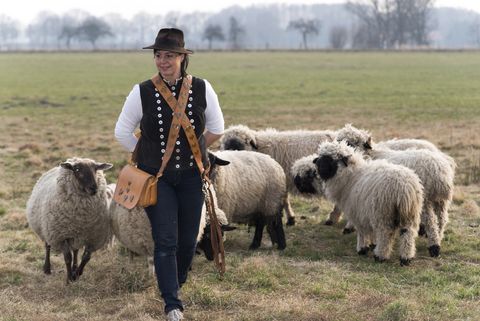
<point>170,39</point>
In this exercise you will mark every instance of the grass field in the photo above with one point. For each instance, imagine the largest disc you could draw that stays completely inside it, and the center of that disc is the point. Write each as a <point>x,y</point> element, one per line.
<point>57,105</point>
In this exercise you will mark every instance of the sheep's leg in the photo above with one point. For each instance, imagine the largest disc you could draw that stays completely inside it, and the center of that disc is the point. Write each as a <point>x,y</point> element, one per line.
<point>362,244</point>
<point>429,219</point>
<point>279,232</point>
<point>334,216</point>
<point>289,211</point>
<point>383,244</point>
<point>441,210</point>
<point>257,238</point>
<point>74,264</point>
<point>407,245</point>
<point>87,254</point>
<point>67,256</point>
<point>47,267</point>
<point>349,228</point>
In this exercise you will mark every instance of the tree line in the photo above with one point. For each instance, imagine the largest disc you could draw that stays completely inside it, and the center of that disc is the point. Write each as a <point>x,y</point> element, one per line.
<point>372,24</point>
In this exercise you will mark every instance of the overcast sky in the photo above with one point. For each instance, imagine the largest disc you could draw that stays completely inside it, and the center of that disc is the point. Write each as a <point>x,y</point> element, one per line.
<point>26,10</point>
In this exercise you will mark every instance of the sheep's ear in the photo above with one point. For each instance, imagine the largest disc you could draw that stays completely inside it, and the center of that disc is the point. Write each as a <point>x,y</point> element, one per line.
<point>221,162</point>
<point>253,144</point>
<point>315,160</point>
<point>227,228</point>
<point>67,165</point>
<point>344,160</point>
<point>103,166</point>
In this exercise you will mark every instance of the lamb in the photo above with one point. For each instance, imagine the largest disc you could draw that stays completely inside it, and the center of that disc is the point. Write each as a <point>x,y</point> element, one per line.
<point>435,170</point>
<point>378,197</point>
<point>68,210</point>
<point>132,228</point>
<point>284,146</point>
<point>251,190</point>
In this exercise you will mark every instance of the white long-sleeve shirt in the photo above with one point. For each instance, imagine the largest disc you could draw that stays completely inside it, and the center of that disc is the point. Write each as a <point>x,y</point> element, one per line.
<point>132,113</point>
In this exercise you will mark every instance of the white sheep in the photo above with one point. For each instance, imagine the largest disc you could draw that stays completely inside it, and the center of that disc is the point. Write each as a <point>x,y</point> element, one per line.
<point>132,228</point>
<point>378,197</point>
<point>284,146</point>
<point>251,190</point>
<point>68,210</point>
<point>435,170</point>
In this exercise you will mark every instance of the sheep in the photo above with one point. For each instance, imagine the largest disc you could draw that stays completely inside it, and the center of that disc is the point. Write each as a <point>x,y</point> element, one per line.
<point>68,210</point>
<point>251,190</point>
<point>132,228</point>
<point>378,197</point>
<point>435,169</point>
<point>284,146</point>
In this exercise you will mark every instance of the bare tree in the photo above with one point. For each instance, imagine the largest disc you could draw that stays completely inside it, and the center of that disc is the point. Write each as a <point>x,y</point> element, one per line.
<point>393,23</point>
<point>338,37</point>
<point>92,29</point>
<point>9,30</point>
<point>305,27</point>
<point>213,32</point>
<point>44,32</point>
<point>235,32</point>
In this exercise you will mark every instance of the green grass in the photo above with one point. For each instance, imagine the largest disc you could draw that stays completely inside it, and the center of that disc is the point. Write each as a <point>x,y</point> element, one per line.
<point>57,105</point>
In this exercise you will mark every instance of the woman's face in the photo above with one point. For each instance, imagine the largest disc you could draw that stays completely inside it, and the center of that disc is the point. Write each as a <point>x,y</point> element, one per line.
<point>168,63</point>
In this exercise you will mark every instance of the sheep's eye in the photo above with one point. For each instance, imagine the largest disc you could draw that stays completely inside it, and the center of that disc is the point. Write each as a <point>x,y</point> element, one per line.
<point>76,169</point>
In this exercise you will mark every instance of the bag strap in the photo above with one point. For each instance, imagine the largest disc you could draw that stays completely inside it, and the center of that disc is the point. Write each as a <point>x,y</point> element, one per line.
<point>180,118</point>
<point>178,107</point>
<point>215,229</point>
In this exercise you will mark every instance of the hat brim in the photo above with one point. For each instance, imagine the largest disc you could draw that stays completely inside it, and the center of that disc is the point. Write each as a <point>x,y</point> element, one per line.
<point>178,50</point>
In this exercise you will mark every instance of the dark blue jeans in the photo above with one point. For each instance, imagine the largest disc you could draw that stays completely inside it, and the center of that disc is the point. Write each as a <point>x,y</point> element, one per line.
<point>175,220</point>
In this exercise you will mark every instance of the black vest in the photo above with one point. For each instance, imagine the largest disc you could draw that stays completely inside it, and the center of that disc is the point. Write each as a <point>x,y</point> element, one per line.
<point>156,121</point>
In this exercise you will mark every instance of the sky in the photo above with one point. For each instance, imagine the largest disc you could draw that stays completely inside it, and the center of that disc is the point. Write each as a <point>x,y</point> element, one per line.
<point>26,10</point>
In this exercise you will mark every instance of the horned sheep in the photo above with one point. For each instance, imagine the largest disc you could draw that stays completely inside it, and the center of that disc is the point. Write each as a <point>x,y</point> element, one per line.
<point>378,197</point>
<point>68,210</point>
<point>284,146</point>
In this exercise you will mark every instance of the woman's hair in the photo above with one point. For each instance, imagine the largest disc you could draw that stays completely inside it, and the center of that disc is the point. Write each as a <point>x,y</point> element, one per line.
<point>184,64</point>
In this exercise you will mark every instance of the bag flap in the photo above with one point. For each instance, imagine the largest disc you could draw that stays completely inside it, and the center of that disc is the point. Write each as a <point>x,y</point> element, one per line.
<point>131,182</point>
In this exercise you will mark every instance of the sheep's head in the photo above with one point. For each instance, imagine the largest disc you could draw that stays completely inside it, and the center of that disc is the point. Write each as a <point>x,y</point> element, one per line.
<point>205,244</point>
<point>84,171</point>
<point>304,174</point>
<point>238,137</point>
<point>214,163</point>
<point>357,138</point>
<point>332,157</point>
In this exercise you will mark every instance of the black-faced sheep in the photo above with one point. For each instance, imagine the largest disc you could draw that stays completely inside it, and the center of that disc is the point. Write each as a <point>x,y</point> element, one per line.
<point>284,146</point>
<point>435,170</point>
<point>251,190</point>
<point>378,197</point>
<point>68,210</point>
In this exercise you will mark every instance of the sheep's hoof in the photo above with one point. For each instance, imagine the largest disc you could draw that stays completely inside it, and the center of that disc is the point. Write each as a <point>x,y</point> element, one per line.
<point>47,270</point>
<point>405,262</point>
<point>348,230</point>
<point>378,259</point>
<point>434,250</point>
<point>291,221</point>
<point>363,251</point>
<point>254,246</point>
<point>329,222</point>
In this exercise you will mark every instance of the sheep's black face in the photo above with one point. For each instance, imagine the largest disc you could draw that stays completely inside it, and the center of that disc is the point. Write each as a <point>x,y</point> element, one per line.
<point>86,174</point>
<point>205,244</point>
<point>304,183</point>
<point>234,143</point>
<point>326,167</point>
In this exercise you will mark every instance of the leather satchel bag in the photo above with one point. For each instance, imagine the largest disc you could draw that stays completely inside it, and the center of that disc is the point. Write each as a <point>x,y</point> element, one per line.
<point>135,187</point>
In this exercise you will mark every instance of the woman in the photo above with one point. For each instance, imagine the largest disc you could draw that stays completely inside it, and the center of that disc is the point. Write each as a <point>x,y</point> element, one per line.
<point>176,216</point>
